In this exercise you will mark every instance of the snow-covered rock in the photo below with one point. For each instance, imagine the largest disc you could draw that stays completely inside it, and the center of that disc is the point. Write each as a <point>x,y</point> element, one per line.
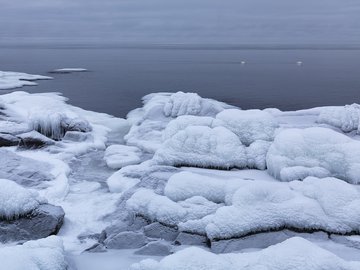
<point>320,152</point>
<point>346,118</point>
<point>10,80</point>
<point>15,200</point>
<point>155,248</point>
<point>203,147</point>
<point>295,253</point>
<point>44,254</point>
<point>34,139</point>
<point>8,140</point>
<point>249,125</point>
<point>118,156</point>
<point>310,205</point>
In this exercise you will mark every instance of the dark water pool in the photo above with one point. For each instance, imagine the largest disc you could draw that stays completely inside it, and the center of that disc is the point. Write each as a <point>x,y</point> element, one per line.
<point>119,77</point>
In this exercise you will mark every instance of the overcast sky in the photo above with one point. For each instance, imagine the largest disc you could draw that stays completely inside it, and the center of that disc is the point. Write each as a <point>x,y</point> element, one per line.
<point>181,21</point>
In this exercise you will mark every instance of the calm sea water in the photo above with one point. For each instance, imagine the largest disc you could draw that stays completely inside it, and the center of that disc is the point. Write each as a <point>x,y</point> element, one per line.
<point>119,77</point>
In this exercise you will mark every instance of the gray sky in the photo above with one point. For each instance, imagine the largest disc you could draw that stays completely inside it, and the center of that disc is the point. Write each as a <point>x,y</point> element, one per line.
<point>181,21</point>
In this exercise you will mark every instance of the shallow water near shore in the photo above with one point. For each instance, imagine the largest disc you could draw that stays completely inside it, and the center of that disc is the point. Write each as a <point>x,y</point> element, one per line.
<point>119,77</point>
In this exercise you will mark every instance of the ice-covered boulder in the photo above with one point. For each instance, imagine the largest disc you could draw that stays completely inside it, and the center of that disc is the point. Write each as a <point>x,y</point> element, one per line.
<point>8,140</point>
<point>34,139</point>
<point>44,254</point>
<point>295,253</point>
<point>24,171</point>
<point>203,147</point>
<point>346,118</point>
<point>249,125</point>
<point>118,156</point>
<point>321,152</point>
<point>314,204</point>
<point>155,248</point>
<point>10,80</point>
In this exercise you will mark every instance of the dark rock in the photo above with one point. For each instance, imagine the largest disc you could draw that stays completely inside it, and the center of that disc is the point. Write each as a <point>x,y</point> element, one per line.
<point>190,239</point>
<point>126,240</point>
<point>157,230</point>
<point>43,221</point>
<point>8,140</point>
<point>34,139</point>
<point>155,248</point>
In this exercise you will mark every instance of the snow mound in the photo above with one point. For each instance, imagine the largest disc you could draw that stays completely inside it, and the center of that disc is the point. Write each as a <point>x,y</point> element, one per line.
<point>320,152</point>
<point>249,125</point>
<point>310,205</point>
<point>11,80</point>
<point>118,156</point>
<point>147,203</point>
<point>346,118</point>
<point>295,253</point>
<point>16,200</point>
<point>203,147</point>
<point>43,254</point>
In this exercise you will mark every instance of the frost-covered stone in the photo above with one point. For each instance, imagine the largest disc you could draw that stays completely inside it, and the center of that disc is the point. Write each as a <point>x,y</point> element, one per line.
<point>34,139</point>
<point>294,253</point>
<point>41,222</point>
<point>203,147</point>
<point>320,152</point>
<point>126,240</point>
<point>157,230</point>
<point>118,156</point>
<point>190,239</point>
<point>155,248</point>
<point>24,171</point>
<point>346,118</point>
<point>43,254</point>
<point>249,125</point>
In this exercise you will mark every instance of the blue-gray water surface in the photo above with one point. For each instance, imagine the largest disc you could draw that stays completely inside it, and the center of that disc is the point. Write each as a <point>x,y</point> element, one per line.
<point>119,77</point>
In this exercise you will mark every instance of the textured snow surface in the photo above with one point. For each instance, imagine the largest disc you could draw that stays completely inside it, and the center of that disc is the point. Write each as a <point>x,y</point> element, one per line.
<point>10,80</point>
<point>346,118</point>
<point>295,253</point>
<point>43,254</point>
<point>16,200</point>
<point>321,152</point>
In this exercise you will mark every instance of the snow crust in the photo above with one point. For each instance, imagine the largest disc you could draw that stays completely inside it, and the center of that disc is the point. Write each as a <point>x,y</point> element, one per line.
<point>11,80</point>
<point>321,152</point>
<point>294,253</point>
<point>43,254</point>
<point>16,200</point>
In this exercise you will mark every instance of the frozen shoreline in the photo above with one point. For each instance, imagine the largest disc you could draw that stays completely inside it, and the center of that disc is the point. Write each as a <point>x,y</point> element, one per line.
<point>148,163</point>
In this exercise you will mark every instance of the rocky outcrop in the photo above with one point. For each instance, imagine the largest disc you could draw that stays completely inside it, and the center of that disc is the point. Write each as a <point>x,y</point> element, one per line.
<point>43,221</point>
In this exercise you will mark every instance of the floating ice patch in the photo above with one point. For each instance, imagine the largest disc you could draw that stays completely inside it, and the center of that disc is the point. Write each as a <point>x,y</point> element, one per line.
<point>295,253</point>
<point>68,70</point>
<point>16,200</point>
<point>10,80</point>
<point>118,156</point>
<point>44,254</point>
<point>298,153</point>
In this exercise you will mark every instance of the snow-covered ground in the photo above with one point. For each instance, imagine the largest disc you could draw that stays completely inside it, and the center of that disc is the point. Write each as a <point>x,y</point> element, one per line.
<point>184,182</point>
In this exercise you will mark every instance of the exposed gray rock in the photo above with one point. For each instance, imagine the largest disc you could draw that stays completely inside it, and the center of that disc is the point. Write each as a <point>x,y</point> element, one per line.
<point>24,171</point>
<point>155,248</point>
<point>98,247</point>
<point>126,240</point>
<point>190,239</point>
<point>352,241</point>
<point>34,139</point>
<point>260,240</point>
<point>8,140</point>
<point>157,230</point>
<point>43,221</point>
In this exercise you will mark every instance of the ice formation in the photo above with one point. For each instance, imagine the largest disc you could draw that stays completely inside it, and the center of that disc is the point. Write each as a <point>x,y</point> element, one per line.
<point>298,153</point>
<point>16,200</point>
<point>295,253</point>
<point>10,80</point>
<point>43,254</point>
<point>118,156</point>
<point>68,70</point>
<point>346,118</point>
